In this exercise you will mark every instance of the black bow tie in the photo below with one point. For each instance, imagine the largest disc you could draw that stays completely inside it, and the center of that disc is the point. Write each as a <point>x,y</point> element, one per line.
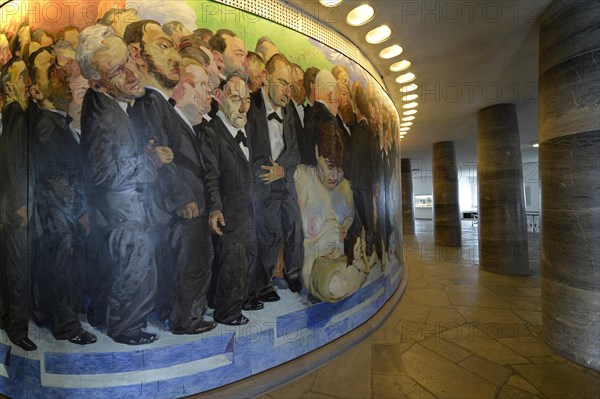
<point>241,138</point>
<point>172,102</point>
<point>273,115</point>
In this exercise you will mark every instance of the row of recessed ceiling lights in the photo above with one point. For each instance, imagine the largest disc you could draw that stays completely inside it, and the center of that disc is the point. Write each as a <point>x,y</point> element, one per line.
<point>363,14</point>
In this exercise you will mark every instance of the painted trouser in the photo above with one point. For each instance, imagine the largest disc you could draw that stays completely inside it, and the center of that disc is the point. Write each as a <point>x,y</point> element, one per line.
<point>191,243</point>
<point>133,289</point>
<point>14,282</point>
<point>235,267</point>
<point>278,218</point>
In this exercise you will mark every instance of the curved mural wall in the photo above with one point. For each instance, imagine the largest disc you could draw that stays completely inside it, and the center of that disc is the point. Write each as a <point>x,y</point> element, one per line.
<point>190,195</point>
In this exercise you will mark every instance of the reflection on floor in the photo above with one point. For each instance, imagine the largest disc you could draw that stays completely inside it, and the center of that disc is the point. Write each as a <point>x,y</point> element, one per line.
<point>458,332</point>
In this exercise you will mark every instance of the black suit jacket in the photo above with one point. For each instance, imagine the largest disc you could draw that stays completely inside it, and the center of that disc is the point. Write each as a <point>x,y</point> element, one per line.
<point>13,164</point>
<point>59,193</point>
<point>229,175</point>
<point>364,155</point>
<point>117,171</point>
<point>319,114</point>
<point>179,183</point>
<point>261,145</point>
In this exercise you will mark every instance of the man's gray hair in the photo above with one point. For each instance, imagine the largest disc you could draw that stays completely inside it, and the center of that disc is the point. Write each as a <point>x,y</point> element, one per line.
<point>90,42</point>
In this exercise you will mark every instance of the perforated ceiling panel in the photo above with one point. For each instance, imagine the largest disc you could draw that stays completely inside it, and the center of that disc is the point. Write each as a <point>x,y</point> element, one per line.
<point>292,18</point>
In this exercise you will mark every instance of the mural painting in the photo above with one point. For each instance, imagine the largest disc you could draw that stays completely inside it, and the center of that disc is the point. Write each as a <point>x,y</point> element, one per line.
<point>184,184</point>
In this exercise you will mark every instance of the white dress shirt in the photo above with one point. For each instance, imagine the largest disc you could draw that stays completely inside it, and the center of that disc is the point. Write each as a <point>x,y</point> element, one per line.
<point>234,131</point>
<point>275,128</point>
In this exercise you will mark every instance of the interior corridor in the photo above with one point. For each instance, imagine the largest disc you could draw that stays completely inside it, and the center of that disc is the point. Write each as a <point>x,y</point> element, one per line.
<point>458,332</point>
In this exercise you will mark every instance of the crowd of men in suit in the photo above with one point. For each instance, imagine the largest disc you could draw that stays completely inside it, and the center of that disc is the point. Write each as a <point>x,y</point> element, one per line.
<point>149,168</point>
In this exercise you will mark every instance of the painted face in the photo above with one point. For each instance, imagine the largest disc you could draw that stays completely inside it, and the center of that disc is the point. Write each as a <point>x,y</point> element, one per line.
<point>71,36</point>
<point>343,78</point>
<point>234,56</point>
<point>5,54</point>
<point>160,52</point>
<point>53,81</point>
<point>255,70</point>
<point>297,88</point>
<point>212,68</point>
<point>235,102</point>
<point>194,93</point>
<point>46,40</point>
<point>329,174</point>
<point>278,84</point>
<point>19,82</point>
<point>119,76</point>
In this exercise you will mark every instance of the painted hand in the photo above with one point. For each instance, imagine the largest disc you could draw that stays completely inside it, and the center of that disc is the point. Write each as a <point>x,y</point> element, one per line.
<point>274,172</point>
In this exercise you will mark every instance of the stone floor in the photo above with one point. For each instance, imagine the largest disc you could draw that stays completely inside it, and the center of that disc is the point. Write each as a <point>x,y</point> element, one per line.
<point>458,332</point>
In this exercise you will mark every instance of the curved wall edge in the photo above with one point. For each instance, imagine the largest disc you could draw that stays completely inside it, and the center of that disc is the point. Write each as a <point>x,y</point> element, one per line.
<point>292,18</point>
<point>269,380</point>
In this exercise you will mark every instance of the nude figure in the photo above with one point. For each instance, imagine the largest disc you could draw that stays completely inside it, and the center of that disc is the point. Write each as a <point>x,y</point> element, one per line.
<point>327,208</point>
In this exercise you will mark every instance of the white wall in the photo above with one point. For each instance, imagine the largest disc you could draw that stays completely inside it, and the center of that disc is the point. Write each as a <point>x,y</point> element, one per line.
<point>467,187</point>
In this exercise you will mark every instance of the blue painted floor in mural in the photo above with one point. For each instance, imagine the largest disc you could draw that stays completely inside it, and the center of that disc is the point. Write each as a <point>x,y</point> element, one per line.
<point>176,366</point>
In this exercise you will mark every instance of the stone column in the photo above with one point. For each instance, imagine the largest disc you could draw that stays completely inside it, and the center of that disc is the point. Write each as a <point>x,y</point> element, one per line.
<point>408,209</point>
<point>501,209</point>
<point>569,137</point>
<point>446,213</point>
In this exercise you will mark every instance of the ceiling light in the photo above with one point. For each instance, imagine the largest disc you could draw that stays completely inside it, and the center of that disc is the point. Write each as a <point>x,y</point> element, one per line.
<point>407,77</point>
<point>536,145</point>
<point>409,88</point>
<point>404,129</point>
<point>408,119</point>
<point>360,15</point>
<point>390,52</point>
<point>410,97</point>
<point>411,112</point>
<point>379,35</point>
<point>410,105</point>
<point>406,124</point>
<point>330,3</point>
<point>400,66</point>
<point>402,134</point>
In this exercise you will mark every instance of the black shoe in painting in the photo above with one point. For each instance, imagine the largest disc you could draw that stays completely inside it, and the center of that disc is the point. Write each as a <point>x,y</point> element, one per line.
<point>253,304</point>
<point>25,344</point>
<point>269,297</point>
<point>83,338</point>
<point>238,321</point>
<point>138,337</point>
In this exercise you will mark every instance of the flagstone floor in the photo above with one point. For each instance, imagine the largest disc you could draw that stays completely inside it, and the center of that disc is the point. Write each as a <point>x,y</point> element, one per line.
<point>458,332</point>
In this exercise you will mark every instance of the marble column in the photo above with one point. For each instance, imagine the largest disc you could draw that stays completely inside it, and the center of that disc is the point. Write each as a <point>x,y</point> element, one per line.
<point>408,209</point>
<point>446,213</point>
<point>569,137</point>
<point>501,209</point>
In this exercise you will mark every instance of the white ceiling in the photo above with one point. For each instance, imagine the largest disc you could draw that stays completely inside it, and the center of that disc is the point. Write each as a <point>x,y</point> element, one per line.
<point>467,55</point>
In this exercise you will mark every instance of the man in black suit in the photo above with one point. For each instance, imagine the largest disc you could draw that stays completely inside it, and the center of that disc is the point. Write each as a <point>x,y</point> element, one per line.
<point>227,149</point>
<point>156,116</point>
<point>297,96</point>
<point>363,152</point>
<point>275,148</point>
<point>324,110</point>
<point>120,172</point>
<point>59,201</point>
<point>14,218</point>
